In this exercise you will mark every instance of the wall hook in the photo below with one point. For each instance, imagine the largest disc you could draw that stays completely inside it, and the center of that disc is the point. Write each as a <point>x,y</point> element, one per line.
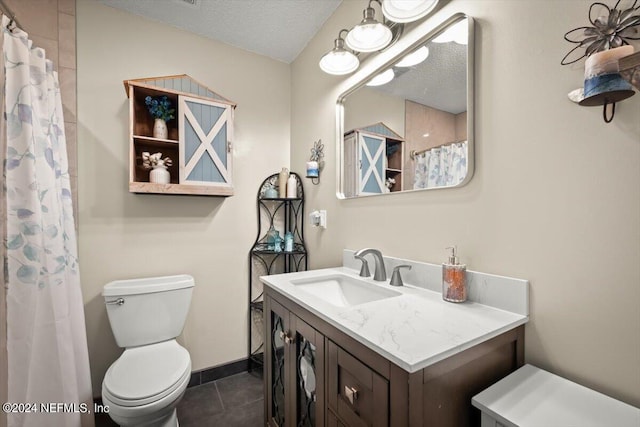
<point>604,111</point>
<point>316,162</point>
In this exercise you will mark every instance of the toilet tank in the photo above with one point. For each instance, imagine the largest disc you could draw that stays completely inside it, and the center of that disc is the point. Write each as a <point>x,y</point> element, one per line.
<point>149,310</point>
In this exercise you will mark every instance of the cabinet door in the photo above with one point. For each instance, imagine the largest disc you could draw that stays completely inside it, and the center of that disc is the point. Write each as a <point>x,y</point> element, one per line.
<point>294,370</point>
<point>275,362</point>
<point>206,129</point>
<point>372,163</point>
<point>308,375</point>
<point>333,421</point>
<point>356,394</point>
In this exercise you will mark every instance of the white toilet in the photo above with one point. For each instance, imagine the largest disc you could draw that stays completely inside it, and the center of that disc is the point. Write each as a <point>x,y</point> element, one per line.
<point>144,385</point>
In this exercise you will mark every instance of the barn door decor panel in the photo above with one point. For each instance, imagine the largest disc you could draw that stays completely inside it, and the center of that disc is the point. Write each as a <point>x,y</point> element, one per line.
<point>206,132</point>
<point>371,164</point>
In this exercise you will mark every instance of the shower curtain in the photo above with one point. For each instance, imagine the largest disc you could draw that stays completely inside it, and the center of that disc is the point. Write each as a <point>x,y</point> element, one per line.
<point>46,338</point>
<point>441,166</point>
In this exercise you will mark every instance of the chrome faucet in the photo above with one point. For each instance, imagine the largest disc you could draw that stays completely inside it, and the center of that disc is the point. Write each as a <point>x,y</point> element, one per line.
<point>396,278</point>
<point>380,273</point>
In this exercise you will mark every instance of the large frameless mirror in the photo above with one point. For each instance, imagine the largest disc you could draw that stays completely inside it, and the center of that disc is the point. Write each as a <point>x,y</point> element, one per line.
<point>409,125</point>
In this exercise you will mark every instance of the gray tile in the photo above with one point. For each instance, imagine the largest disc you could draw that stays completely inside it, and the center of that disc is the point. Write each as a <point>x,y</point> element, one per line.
<point>199,403</point>
<point>240,389</point>
<point>104,420</point>
<point>249,415</point>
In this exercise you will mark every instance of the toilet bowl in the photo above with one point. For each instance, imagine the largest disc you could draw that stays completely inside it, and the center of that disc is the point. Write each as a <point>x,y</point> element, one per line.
<point>144,385</point>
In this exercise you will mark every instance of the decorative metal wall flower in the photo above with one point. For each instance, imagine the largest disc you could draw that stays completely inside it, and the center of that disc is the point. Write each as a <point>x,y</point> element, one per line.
<point>612,28</point>
<point>317,153</point>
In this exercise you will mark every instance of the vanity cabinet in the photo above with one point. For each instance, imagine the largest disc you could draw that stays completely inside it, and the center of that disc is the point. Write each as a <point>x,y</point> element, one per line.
<point>198,141</point>
<point>372,161</point>
<point>361,387</point>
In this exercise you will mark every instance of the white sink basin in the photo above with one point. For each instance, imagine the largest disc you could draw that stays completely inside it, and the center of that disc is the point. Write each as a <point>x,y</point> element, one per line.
<point>343,291</point>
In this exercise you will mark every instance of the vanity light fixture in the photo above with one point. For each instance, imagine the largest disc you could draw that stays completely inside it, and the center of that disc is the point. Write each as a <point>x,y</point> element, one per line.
<point>339,60</point>
<point>414,58</point>
<point>382,78</point>
<point>369,35</point>
<point>407,10</point>
<point>458,33</point>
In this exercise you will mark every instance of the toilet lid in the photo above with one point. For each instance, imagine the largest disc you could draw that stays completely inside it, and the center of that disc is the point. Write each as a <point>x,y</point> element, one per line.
<point>146,371</point>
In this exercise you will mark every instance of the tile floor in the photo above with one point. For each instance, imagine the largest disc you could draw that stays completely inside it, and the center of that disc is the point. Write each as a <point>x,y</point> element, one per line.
<point>235,401</point>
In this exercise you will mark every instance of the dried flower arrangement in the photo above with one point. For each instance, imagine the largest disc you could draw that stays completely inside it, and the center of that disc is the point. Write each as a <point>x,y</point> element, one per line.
<point>150,161</point>
<point>390,182</point>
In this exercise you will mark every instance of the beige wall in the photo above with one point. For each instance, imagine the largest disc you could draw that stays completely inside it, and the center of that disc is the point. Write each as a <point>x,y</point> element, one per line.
<point>123,235</point>
<point>554,198</point>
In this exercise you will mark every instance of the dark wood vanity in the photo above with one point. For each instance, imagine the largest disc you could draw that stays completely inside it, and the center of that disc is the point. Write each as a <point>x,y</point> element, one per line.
<point>316,375</point>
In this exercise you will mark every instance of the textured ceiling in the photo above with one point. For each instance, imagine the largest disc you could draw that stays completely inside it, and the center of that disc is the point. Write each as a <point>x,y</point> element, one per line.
<point>279,29</point>
<point>439,82</point>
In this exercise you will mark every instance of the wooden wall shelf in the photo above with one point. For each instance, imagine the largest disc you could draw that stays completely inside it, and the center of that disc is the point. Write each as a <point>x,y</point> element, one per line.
<point>199,137</point>
<point>180,189</point>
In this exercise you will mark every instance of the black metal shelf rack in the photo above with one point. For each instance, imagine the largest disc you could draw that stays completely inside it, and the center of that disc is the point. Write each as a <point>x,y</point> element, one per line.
<point>288,215</point>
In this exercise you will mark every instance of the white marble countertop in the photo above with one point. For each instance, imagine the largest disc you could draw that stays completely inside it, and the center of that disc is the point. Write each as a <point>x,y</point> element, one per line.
<point>413,330</point>
<point>532,397</point>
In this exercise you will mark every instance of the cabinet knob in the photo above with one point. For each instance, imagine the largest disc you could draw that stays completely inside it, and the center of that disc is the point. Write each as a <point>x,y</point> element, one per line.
<point>286,337</point>
<point>350,393</point>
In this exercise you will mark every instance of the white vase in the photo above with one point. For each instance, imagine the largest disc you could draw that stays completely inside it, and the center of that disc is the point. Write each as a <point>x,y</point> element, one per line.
<point>159,174</point>
<point>160,129</point>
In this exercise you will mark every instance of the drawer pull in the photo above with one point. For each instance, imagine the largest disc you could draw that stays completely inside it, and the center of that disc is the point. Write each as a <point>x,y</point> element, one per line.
<point>350,393</point>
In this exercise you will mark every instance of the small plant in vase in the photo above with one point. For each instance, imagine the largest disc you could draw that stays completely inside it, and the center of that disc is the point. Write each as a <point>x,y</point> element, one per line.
<point>159,173</point>
<point>161,110</point>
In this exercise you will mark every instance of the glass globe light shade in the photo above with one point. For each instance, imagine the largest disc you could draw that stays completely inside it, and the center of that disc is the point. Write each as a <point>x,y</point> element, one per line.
<point>369,35</point>
<point>407,10</point>
<point>458,33</point>
<point>339,61</point>
<point>414,58</point>
<point>382,78</point>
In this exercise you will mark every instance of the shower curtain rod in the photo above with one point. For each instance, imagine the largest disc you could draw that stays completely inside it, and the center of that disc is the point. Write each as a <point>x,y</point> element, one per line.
<point>414,153</point>
<point>5,10</point>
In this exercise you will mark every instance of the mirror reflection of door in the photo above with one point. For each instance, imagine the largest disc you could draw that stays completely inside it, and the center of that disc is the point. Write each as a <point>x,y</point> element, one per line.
<point>371,164</point>
<point>428,104</point>
<point>373,159</point>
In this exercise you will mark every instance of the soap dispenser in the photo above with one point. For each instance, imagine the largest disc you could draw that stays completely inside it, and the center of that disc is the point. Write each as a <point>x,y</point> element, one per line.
<point>454,279</point>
